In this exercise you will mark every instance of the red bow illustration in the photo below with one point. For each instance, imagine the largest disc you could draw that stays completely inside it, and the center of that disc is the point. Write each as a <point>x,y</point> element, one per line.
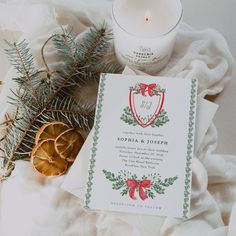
<point>132,184</point>
<point>147,87</point>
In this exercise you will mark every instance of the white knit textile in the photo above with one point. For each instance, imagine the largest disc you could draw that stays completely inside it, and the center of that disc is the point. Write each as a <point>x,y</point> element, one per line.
<point>32,205</point>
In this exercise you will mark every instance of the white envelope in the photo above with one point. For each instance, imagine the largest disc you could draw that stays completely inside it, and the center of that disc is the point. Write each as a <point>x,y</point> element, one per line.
<point>75,180</point>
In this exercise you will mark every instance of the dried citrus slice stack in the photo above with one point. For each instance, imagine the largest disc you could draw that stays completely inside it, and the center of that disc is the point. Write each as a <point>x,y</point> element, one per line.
<point>50,131</point>
<point>68,144</point>
<point>46,160</point>
<point>56,147</point>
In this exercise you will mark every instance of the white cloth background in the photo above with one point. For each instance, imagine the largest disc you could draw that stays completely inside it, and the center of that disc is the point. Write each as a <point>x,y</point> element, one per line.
<point>32,205</point>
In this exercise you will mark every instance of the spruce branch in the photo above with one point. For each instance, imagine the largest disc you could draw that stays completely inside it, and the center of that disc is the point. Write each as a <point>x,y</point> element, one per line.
<point>99,41</point>
<point>23,61</point>
<point>70,111</point>
<point>66,46</point>
<point>39,100</point>
<point>20,57</point>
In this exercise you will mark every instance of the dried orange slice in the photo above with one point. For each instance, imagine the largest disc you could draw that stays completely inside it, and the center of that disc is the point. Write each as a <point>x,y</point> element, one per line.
<point>46,160</point>
<point>68,144</point>
<point>50,131</point>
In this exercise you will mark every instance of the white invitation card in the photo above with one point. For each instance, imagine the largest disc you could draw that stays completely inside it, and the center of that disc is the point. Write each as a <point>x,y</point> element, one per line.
<point>142,146</point>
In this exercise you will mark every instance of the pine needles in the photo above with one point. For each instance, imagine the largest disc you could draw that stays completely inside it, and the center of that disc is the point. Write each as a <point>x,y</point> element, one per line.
<point>44,95</point>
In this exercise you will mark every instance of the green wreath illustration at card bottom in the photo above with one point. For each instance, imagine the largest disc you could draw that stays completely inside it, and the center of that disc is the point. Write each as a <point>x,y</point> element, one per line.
<point>146,187</point>
<point>145,106</point>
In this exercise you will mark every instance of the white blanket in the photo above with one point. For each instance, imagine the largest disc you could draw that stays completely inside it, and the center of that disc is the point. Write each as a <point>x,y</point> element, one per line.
<point>32,205</point>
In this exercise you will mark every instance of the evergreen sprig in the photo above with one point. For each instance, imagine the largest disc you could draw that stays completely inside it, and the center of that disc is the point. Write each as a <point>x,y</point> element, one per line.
<point>48,94</point>
<point>21,58</point>
<point>128,117</point>
<point>161,119</point>
<point>159,185</point>
<point>117,181</point>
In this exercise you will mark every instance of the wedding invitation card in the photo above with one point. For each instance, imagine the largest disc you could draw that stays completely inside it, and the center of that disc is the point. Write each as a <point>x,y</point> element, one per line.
<point>142,146</point>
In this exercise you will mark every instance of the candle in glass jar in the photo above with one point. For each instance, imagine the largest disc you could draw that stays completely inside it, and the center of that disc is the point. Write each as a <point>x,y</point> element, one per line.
<point>144,32</point>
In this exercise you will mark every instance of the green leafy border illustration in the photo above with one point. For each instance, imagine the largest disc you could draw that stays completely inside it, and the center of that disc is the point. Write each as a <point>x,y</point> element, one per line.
<point>157,185</point>
<point>95,139</point>
<point>188,173</point>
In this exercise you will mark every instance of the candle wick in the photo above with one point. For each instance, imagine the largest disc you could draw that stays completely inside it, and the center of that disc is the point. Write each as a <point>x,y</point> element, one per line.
<point>147,16</point>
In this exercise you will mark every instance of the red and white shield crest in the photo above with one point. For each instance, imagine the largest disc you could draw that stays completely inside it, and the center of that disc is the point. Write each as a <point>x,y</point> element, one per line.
<point>146,103</point>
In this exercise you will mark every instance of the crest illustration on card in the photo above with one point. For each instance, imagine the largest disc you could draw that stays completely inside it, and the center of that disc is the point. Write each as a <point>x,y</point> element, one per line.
<point>145,108</point>
<point>147,187</point>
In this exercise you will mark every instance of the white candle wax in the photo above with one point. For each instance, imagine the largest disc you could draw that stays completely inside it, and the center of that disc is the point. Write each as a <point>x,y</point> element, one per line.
<point>144,32</point>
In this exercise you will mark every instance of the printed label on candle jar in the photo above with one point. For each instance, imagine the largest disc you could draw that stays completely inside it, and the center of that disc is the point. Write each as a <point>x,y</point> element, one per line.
<point>143,58</point>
